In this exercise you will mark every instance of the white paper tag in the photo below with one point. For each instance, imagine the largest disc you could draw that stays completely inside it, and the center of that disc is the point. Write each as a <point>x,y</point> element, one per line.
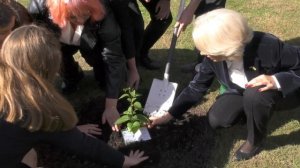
<point>141,135</point>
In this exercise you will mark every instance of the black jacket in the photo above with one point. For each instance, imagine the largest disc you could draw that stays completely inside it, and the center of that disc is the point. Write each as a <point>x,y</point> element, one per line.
<point>15,142</point>
<point>99,40</point>
<point>265,54</point>
<point>103,40</point>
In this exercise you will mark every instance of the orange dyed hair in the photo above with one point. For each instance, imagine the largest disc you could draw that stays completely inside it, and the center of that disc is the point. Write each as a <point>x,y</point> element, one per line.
<point>60,10</point>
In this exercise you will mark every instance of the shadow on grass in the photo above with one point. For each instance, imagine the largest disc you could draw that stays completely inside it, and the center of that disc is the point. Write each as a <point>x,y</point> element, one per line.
<point>294,41</point>
<point>286,111</point>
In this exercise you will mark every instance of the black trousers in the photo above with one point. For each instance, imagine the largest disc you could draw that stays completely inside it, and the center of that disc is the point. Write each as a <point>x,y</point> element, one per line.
<point>155,29</point>
<point>70,68</point>
<point>257,107</point>
<point>132,26</point>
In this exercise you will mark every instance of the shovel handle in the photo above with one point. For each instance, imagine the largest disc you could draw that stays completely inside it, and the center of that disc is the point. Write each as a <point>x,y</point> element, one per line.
<point>173,42</point>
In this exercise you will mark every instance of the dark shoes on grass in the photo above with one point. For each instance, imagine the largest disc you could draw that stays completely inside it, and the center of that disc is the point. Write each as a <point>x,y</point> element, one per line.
<point>150,64</point>
<point>247,151</point>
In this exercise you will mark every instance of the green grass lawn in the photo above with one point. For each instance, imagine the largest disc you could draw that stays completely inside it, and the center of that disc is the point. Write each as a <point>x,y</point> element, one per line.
<point>279,17</point>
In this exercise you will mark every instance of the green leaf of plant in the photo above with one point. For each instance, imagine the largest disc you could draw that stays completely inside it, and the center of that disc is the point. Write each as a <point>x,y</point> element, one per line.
<point>134,118</point>
<point>137,105</point>
<point>142,118</point>
<point>122,119</point>
<point>134,129</point>
<point>124,95</point>
<point>135,126</point>
<point>132,93</point>
<point>126,89</point>
<point>129,126</point>
<point>127,113</point>
<point>129,109</point>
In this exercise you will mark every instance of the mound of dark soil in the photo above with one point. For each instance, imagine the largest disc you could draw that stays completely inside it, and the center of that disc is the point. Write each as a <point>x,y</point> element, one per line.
<point>184,143</point>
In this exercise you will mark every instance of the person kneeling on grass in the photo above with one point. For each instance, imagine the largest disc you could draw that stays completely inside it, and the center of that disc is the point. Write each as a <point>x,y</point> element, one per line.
<point>257,69</point>
<point>32,111</point>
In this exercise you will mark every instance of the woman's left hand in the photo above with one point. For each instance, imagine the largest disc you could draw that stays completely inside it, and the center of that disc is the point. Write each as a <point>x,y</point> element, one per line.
<point>90,129</point>
<point>262,80</point>
<point>133,79</point>
<point>162,9</point>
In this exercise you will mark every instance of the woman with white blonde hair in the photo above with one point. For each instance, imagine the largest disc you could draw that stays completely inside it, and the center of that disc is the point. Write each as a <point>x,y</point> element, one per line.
<point>32,111</point>
<point>222,33</point>
<point>257,68</point>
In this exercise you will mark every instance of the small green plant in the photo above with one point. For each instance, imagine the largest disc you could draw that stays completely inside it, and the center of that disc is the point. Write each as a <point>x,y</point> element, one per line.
<point>133,117</point>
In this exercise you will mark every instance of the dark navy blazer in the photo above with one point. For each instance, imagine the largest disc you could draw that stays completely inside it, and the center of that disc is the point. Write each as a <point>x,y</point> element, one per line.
<point>265,54</point>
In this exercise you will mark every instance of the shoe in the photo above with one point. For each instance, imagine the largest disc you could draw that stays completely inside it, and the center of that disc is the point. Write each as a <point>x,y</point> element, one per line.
<point>240,155</point>
<point>150,64</point>
<point>189,68</point>
<point>70,86</point>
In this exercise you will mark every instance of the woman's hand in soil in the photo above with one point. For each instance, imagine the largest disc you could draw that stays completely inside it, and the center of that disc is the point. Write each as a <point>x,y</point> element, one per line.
<point>111,116</point>
<point>111,113</point>
<point>90,129</point>
<point>160,120</point>
<point>134,158</point>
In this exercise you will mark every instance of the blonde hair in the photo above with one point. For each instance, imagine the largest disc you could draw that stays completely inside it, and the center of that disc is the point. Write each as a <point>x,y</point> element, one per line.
<point>29,61</point>
<point>222,32</point>
<point>60,10</point>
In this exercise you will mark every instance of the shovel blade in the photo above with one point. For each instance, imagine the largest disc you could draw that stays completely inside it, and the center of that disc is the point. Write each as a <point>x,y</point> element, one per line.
<point>160,98</point>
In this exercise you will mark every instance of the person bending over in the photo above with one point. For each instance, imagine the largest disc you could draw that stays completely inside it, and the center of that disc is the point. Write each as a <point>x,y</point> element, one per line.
<point>90,27</point>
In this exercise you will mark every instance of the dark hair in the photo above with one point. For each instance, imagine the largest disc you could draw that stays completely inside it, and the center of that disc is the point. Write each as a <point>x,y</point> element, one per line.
<point>6,14</point>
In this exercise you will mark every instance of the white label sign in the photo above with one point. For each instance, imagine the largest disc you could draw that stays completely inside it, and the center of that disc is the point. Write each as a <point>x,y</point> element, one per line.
<point>141,135</point>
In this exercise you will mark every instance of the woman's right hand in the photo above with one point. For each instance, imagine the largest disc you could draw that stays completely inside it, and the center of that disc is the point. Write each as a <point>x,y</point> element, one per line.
<point>160,120</point>
<point>133,79</point>
<point>134,158</point>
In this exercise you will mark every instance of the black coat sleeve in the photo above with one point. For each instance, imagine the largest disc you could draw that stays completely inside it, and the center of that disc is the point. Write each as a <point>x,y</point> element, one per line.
<point>113,57</point>
<point>194,92</point>
<point>84,146</point>
<point>289,76</point>
<point>282,60</point>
